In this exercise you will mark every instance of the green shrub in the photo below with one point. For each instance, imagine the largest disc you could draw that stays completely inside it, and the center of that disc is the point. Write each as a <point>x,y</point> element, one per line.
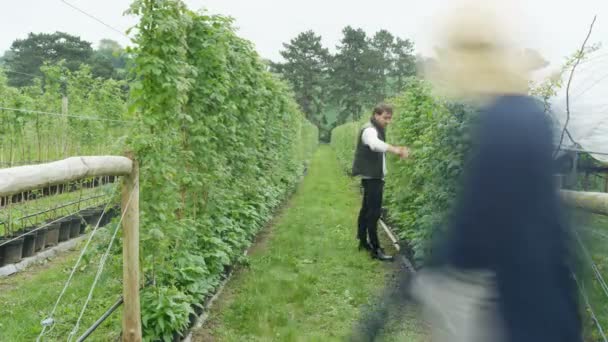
<point>418,190</point>
<point>221,144</point>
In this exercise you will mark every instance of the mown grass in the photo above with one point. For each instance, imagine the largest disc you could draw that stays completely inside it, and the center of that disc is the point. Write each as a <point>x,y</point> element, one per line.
<point>593,230</point>
<point>28,297</point>
<point>307,282</point>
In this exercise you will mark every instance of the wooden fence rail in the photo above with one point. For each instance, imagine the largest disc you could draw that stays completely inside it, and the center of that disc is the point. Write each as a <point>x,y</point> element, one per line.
<point>23,178</point>
<point>594,202</point>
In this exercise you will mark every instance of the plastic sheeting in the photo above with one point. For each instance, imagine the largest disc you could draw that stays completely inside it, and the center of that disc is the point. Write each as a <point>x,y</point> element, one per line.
<point>588,106</point>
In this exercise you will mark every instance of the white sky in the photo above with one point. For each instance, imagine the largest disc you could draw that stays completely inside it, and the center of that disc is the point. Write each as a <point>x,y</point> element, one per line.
<point>553,27</point>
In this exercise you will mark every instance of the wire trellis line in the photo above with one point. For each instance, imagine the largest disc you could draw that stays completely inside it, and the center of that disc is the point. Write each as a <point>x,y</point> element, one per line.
<point>49,320</point>
<point>19,72</point>
<point>96,19</point>
<point>594,268</point>
<point>48,223</point>
<point>591,311</point>
<point>102,263</point>
<point>82,117</point>
<point>582,151</point>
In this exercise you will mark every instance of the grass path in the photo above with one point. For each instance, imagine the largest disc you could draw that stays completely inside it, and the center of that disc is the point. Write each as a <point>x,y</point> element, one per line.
<point>27,297</point>
<point>306,281</point>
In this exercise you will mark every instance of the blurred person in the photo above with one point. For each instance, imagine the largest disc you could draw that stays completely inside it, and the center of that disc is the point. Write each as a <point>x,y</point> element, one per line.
<point>506,255</point>
<point>502,269</point>
<point>370,164</point>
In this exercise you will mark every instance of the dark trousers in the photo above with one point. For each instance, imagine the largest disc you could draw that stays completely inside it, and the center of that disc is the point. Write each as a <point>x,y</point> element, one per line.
<point>370,211</point>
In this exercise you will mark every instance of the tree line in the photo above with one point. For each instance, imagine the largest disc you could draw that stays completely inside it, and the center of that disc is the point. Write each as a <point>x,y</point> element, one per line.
<point>334,88</point>
<point>23,61</point>
<point>330,88</point>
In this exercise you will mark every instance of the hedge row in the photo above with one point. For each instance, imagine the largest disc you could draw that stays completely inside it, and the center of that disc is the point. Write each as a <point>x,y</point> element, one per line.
<point>33,130</point>
<point>221,144</point>
<point>418,191</point>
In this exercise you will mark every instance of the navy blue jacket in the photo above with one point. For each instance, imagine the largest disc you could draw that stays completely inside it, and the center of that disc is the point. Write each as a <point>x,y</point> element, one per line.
<point>508,219</point>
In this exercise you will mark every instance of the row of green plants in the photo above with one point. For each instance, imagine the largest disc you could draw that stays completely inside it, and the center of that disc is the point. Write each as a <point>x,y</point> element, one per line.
<point>418,190</point>
<point>221,143</point>
<point>38,207</point>
<point>37,124</point>
<point>63,113</point>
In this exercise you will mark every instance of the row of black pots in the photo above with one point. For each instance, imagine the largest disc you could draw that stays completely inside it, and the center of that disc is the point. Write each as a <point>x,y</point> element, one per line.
<point>54,190</point>
<point>36,239</point>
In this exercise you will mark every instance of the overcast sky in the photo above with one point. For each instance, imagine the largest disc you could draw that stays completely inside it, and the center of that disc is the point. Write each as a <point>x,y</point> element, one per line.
<point>553,27</point>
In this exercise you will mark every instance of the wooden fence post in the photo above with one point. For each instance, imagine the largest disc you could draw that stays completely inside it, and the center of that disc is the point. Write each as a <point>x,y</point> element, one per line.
<point>131,322</point>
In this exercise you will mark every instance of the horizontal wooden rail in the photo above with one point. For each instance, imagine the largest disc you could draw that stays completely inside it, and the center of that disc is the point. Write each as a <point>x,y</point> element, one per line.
<point>22,178</point>
<point>594,202</point>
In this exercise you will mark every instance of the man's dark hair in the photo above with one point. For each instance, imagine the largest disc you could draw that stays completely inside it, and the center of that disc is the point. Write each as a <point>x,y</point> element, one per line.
<point>383,108</point>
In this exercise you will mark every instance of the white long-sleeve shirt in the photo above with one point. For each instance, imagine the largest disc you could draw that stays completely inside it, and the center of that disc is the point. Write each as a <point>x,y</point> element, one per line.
<point>370,138</point>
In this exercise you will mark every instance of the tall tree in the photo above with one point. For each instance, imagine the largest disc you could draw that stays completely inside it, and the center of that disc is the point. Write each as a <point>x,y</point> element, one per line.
<point>364,71</point>
<point>5,57</point>
<point>114,51</point>
<point>352,74</point>
<point>382,65</point>
<point>109,60</point>
<point>404,63</point>
<point>26,56</point>
<point>305,68</point>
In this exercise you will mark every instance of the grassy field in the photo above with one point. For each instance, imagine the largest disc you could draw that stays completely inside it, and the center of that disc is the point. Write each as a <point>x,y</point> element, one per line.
<point>593,230</point>
<point>28,297</point>
<point>306,281</point>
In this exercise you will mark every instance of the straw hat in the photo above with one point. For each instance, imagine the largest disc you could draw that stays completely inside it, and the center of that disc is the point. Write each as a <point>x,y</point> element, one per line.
<point>475,58</point>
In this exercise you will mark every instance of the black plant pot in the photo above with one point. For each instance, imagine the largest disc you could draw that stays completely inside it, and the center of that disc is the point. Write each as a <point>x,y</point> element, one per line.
<point>107,220</point>
<point>65,225</point>
<point>52,234</point>
<point>91,216</point>
<point>12,251</point>
<point>108,216</point>
<point>74,226</point>
<point>29,243</point>
<point>40,239</point>
<point>82,224</point>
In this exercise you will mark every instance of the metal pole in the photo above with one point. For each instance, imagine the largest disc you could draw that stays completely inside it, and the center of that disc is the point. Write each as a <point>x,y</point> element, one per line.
<point>100,320</point>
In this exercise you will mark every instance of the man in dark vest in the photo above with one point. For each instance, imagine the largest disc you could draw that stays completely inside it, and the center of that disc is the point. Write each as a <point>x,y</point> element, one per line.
<point>370,164</point>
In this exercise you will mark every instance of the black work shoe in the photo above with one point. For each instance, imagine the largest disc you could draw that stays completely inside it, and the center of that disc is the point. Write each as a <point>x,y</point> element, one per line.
<point>378,253</point>
<point>364,245</point>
